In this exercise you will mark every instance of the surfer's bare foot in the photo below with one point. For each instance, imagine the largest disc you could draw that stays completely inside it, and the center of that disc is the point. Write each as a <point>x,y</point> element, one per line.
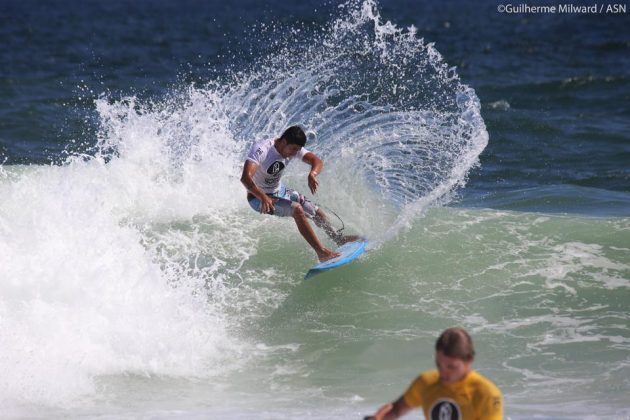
<point>347,238</point>
<point>327,255</point>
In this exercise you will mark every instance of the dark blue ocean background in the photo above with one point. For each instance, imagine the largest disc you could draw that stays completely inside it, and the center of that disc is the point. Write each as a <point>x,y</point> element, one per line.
<point>554,88</point>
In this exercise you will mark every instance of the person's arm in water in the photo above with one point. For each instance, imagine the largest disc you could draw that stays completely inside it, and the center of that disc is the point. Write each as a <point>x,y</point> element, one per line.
<point>247,178</point>
<point>391,411</point>
<point>316,168</point>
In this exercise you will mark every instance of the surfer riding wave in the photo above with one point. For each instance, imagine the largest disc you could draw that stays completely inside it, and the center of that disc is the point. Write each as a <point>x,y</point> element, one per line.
<point>262,173</point>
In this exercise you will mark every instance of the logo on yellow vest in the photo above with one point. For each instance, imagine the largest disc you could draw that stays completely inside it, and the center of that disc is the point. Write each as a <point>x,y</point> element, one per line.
<point>445,409</point>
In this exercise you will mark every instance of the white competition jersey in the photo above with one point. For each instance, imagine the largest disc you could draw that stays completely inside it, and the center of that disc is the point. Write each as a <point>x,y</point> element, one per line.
<point>270,165</point>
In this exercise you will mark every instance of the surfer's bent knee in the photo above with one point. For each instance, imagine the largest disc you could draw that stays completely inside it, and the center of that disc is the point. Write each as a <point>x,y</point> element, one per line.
<point>298,211</point>
<point>286,208</point>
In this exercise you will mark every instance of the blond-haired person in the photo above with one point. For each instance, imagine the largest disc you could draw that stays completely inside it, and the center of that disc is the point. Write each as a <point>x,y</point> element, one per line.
<point>453,391</point>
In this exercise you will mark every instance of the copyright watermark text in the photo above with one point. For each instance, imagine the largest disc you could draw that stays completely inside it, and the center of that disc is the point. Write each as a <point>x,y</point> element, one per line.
<point>564,8</point>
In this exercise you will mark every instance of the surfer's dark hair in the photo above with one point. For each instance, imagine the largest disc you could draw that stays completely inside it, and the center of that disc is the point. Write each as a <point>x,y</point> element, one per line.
<point>455,342</point>
<point>294,135</point>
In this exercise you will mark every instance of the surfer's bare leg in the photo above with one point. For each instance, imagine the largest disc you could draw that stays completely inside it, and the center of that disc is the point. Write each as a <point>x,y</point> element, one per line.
<point>322,222</point>
<point>323,253</point>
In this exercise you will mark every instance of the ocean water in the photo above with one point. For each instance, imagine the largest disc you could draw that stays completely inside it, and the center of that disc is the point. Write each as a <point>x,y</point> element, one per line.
<point>486,155</point>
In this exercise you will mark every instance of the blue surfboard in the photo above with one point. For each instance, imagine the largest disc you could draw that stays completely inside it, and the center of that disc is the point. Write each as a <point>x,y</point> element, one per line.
<point>349,252</point>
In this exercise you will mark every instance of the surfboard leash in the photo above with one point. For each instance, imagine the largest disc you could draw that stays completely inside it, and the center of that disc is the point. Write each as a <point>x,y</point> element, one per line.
<point>343,225</point>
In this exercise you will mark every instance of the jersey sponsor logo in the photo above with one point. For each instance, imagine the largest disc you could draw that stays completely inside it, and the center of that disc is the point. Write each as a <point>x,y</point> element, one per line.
<point>445,409</point>
<point>275,168</point>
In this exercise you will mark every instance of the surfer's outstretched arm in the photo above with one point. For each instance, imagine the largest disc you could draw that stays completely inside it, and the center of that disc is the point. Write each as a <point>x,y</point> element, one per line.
<point>316,168</point>
<point>391,411</point>
<point>247,179</point>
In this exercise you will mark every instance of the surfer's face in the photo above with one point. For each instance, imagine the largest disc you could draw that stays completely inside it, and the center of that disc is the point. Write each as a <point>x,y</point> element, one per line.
<point>287,150</point>
<point>451,369</point>
<point>291,150</point>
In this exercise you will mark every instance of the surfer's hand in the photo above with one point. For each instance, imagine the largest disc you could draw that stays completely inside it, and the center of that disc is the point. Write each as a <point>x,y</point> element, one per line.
<point>266,205</point>
<point>381,413</point>
<point>312,182</point>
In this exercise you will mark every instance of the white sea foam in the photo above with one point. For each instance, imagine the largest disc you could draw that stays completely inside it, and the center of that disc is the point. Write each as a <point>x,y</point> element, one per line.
<point>81,295</point>
<point>576,260</point>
